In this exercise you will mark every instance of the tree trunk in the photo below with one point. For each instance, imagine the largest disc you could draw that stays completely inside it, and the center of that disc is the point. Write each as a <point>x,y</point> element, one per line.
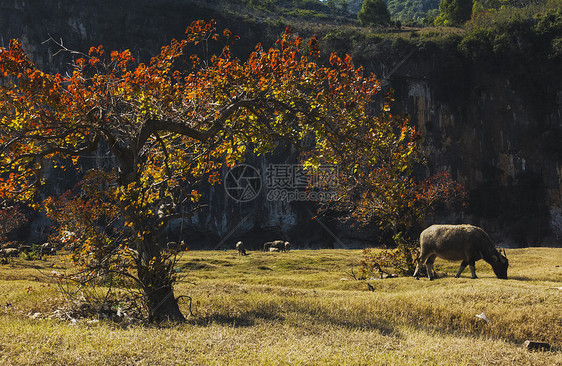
<point>163,306</point>
<point>154,269</point>
<point>155,274</point>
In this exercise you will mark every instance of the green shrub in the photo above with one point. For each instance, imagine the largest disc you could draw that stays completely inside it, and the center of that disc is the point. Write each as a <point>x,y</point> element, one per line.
<point>374,13</point>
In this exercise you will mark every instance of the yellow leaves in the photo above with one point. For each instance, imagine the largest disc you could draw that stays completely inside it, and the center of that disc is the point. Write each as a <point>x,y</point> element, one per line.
<point>195,196</point>
<point>312,163</point>
<point>403,133</point>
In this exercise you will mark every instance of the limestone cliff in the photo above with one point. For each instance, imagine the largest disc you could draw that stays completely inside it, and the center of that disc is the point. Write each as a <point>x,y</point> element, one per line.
<point>504,146</point>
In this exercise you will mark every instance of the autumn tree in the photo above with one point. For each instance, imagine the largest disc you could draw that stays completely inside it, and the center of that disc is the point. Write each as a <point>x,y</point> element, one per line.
<point>166,125</point>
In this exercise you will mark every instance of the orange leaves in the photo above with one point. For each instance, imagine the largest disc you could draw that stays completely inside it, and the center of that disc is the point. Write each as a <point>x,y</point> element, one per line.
<point>345,64</point>
<point>298,42</point>
<point>121,56</point>
<point>6,186</point>
<point>121,60</point>
<point>389,193</point>
<point>200,26</point>
<point>195,196</point>
<point>314,47</point>
<point>94,61</point>
<point>335,59</point>
<point>195,60</point>
<point>442,188</point>
<point>96,51</point>
<point>201,31</point>
<point>14,61</point>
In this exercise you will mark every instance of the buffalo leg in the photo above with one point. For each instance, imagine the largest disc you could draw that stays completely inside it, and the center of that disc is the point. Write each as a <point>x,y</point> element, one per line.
<point>461,268</point>
<point>426,260</point>
<point>429,267</point>
<point>472,269</point>
<point>430,272</point>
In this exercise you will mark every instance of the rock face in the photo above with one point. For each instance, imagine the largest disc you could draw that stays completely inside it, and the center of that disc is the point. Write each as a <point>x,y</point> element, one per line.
<point>503,147</point>
<point>142,26</point>
<point>480,125</point>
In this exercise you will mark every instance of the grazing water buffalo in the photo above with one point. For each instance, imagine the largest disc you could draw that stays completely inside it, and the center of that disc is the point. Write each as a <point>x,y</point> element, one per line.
<point>9,252</point>
<point>241,248</point>
<point>464,243</point>
<point>277,245</point>
<point>48,249</point>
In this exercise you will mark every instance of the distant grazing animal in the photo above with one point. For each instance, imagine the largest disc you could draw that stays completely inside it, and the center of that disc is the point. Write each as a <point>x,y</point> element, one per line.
<point>7,253</point>
<point>277,244</point>
<point>466,243</point>
<point>241,248</point>
<point>172,246</point>
<point>48,249</point>
<point>287,246</point>
<point>11,252</point>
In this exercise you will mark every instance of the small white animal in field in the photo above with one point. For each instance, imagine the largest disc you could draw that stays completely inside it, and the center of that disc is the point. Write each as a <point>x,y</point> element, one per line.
<point>483,317</point>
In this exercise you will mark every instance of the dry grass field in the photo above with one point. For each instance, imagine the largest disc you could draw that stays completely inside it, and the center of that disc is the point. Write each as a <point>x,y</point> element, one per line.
<point>300,308</point>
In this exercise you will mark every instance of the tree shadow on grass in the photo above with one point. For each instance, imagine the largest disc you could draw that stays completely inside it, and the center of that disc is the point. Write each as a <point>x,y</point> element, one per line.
<point>384,327</point>
<point>245,319</point>
<point>252,317</point>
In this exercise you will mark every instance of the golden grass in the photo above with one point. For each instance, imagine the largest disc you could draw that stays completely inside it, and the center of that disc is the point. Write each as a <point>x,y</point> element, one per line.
<point>302,308</point>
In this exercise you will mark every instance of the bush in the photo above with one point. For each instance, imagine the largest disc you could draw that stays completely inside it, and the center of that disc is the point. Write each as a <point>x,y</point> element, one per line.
<point>374,13</point>
<point>454,12</point>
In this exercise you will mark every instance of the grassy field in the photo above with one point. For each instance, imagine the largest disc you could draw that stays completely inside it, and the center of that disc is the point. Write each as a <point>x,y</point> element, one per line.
<point>300,308</point>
